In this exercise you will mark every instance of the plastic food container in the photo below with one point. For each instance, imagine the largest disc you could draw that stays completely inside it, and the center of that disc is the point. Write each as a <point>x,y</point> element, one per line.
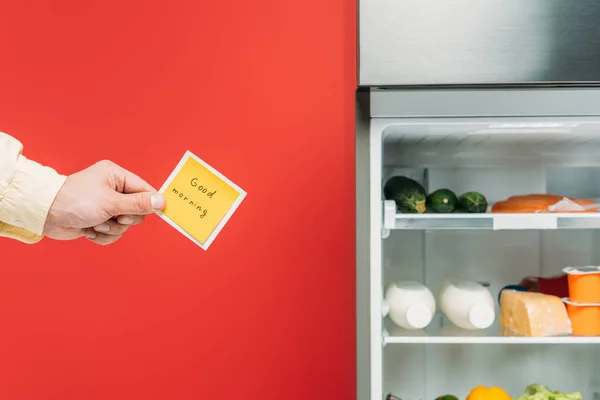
<point>584,284</point>
<point>585,318</point>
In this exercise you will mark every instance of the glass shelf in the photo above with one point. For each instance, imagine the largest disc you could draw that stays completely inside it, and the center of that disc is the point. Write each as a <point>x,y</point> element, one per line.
<point>497,221</point>
<point>449,334</point>
<point>425,339</point>
<point>488,221</point>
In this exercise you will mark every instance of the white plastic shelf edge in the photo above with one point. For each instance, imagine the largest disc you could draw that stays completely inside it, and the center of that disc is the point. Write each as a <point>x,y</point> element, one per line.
<point>491,340</point>
<point>491,221</point>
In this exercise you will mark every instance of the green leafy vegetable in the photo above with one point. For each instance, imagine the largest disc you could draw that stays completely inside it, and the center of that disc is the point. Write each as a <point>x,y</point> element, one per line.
<point>541,392</point>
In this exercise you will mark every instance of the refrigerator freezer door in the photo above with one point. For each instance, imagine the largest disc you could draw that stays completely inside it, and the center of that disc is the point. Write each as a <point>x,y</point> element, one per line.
<point>440,42</point>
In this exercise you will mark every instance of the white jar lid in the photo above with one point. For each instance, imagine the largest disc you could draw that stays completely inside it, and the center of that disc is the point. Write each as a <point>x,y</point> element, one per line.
<point>418,316</point>
<point>481,316</point>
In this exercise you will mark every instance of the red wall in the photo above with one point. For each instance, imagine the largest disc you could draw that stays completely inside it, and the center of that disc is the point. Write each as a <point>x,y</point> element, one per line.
<point>263,90</point>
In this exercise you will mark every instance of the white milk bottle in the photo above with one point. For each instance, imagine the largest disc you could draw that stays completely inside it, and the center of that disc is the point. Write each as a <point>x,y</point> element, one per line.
<point>468,305</point>
<point>410,305</point>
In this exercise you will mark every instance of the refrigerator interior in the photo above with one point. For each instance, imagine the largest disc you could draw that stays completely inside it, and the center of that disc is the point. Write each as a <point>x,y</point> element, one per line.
<point>498,157</point>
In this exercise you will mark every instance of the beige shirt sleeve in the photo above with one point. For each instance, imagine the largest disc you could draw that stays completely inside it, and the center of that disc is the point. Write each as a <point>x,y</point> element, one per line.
<point>27,190</point>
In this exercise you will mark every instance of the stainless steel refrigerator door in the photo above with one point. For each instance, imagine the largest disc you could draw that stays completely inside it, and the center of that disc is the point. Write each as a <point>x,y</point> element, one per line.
<point>441,42</point>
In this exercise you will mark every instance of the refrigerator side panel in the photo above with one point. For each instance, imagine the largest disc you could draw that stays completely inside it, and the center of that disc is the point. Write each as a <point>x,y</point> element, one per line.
<point>363,348</point>
<point>375,278</point>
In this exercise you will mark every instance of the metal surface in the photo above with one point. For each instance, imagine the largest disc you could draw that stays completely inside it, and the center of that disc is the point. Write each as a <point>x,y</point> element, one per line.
<point>456,42</point>
<point>485,103</point>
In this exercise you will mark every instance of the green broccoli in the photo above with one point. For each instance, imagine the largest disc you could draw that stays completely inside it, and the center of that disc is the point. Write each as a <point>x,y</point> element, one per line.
<point>541,392</point>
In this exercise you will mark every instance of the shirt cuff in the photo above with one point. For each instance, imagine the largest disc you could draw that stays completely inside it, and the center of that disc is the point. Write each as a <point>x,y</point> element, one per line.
<point>29,195</point>
<point>20,234</point>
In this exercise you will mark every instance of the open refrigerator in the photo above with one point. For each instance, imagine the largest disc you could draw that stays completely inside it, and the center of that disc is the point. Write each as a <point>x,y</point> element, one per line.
<point>457,115</point>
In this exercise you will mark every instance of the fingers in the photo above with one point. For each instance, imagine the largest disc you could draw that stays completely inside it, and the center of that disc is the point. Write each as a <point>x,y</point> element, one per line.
<point>110,231</point>
<point>130,219</point>
<point>101,238</point>
<point>116,227</point>
<point>131,182</point>
<point>131,195</point>
<point>136,203</point>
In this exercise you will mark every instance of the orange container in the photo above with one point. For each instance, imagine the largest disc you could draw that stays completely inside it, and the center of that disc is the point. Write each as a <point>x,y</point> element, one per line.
<point>585,318</point>
<point>584,284</point>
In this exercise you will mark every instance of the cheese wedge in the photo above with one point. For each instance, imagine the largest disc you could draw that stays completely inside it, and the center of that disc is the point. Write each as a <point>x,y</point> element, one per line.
<point>532,314</point>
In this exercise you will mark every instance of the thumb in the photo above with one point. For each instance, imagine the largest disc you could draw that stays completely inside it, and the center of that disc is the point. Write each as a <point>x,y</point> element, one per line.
<point>137,203</point>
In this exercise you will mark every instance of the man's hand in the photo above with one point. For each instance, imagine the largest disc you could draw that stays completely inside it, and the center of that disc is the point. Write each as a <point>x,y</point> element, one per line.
<point>101,202</point>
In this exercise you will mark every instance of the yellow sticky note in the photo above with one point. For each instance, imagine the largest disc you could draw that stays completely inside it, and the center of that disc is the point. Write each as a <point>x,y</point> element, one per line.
<point>200,200</point>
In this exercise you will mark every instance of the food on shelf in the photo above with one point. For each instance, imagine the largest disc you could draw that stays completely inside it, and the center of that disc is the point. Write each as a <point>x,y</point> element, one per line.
<point>447,397</point>
<point>554,285</point>
<point>560,203</point>
<point>532,392</point>
<point>543,203</point>
<point>553,198</point>
<point>518,288</point>
<point>468,305</point>
<point>579,289</point>
<point>442,201</point>
<point>485,393</point>
<point>521,206</point>
<point>411,304</point>
<point>532,314</point>
<point>585,318</point>
<point>575,205</point>
<point>409,195</point>
<point>541,392</point>
<point>472,202</point>
<point>584,284</point>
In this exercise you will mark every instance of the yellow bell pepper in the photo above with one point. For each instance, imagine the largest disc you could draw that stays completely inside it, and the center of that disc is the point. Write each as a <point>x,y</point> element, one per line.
<point>485,393</point>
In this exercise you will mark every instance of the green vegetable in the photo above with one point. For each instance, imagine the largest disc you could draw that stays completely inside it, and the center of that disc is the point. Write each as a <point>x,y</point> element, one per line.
<point>408,194</point>
<point>533,389</point>
<point>541,392</point>
<point>447,397</point>
<point>473,202</point>
<point>442,201</point>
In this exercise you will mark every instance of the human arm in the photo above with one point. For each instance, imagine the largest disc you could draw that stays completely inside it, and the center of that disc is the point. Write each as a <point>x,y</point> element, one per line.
<point>27,191</point>
<point>100,202</point>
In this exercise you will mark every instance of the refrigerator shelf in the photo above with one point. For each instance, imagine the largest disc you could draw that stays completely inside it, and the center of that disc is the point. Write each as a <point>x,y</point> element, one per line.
<point>487,221</point>
<point>415,339</point>
<point>441,331</point>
